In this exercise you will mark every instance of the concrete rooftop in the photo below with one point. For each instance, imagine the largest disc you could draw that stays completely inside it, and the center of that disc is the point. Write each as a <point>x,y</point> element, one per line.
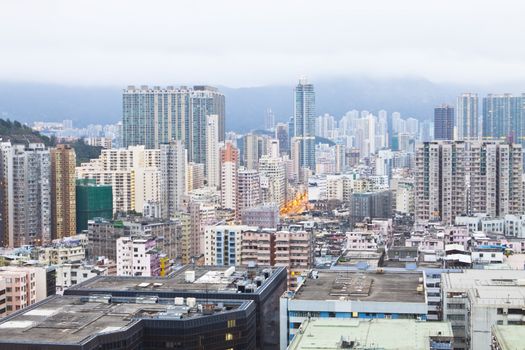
<point>207,278</point>
<point>363,286</point>
<point>74,320</point>
<point>327,334</point>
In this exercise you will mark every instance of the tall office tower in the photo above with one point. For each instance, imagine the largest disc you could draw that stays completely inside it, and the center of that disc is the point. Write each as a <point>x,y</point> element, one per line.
<point>502,117</point>
<point>467,117</point>
<point>281,134</point>
<point>172,177</point>
<point>273,180</point>
<point>212,169</point>
<point>495,173</point>
<point>248,189</point>
<point>155,116</point>
<point>269,120</point>
<point>304,121</point>
<point>63,195</point>
<point>440,181</point>
<point>457,177</point>
<point>229,167</point>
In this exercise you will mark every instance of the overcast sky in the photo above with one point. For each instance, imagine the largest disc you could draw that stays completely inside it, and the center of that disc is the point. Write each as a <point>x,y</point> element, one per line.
<point>247,43</point>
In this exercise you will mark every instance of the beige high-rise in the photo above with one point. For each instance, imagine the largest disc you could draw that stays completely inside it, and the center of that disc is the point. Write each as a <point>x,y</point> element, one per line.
<point>63,196</point>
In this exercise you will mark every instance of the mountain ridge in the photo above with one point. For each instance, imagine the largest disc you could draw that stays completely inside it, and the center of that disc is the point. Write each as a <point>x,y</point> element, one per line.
<point>245,106</point>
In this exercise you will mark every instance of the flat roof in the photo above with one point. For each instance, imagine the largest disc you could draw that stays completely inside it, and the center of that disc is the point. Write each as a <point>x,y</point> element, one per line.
<point>74,320</point>
<point>509,337</point>
<point>207,279</point>
<point>328,333</point>
<point>363,286</point>
<point>488,287</point>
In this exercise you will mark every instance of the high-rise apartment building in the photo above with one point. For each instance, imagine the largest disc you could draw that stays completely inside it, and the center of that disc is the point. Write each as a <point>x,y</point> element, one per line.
<point>273,180</point>
<point>253,149</point>
<point>6,193</point>
<point>63,194</point>
<point>467,117</point>
<point>457,177</point>
<point>495,173</point>
<point>173,177</point>
<point>248,189</point>
<point>229,166</point>
<point>152,116</point>
<point>133,173</point>
<point>212,169</point>
<point>201,215</point>
<point>194,176</point>
<point>25,194</point>
<point>444,122</point>
<point>304,121</point>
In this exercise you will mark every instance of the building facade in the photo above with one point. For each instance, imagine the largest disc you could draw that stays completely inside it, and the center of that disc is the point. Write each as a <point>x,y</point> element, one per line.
<point>444,123</point>
<point>63,194</point>
<point>152,116</point>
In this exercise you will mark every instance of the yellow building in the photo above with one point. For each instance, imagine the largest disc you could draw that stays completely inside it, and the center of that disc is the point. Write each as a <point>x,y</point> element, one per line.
<point>63,196</point>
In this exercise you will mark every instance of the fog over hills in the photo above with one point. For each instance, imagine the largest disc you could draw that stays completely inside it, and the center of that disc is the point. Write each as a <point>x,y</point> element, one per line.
<point>245,107</point>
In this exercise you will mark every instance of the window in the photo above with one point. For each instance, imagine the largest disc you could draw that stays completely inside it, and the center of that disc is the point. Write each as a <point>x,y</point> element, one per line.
<point>456,317</point>
<point>231,323</point>
<point>228,336</point>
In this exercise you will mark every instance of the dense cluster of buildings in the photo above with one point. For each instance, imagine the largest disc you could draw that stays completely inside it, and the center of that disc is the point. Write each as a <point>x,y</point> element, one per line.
<point>374,231</point>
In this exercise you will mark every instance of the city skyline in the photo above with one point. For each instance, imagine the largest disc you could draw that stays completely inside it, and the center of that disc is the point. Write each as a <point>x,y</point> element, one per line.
<point>366,190</point>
